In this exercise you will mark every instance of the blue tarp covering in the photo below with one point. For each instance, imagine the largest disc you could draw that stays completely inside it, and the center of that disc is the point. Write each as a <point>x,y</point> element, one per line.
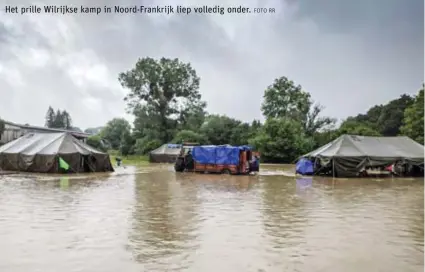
<point>204,154</point>
<point>223,154</point>
<point>304,167</point>
<point>245,147</point>
<point>174,146</point>
<point>227,155</point>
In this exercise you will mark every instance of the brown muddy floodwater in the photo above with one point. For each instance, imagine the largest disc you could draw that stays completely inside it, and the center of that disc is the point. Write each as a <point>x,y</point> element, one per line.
<point>158,220</point>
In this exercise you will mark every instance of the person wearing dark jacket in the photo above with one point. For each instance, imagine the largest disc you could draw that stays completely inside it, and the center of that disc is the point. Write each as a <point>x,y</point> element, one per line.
<point>188,159</point>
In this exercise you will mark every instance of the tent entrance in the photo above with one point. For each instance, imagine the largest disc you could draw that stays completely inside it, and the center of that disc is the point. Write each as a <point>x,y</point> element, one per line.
<point>417,171</point>
<point>88,163</point>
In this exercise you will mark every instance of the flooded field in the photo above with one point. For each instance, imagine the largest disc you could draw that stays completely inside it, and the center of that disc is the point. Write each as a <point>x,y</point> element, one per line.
<point>152,219</point>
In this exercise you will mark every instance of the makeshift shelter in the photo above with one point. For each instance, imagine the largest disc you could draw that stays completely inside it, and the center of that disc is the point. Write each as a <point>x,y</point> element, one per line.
<point>167,153</point>
<point>350,154</point>
<point>304,166</point>
<point>52,153</point>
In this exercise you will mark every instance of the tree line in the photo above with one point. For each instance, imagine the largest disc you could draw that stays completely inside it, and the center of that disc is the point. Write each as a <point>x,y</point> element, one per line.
<point>163,95</point>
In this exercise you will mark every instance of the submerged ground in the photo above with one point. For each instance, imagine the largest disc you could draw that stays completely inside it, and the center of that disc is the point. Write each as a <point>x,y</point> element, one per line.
<point>152,219</point>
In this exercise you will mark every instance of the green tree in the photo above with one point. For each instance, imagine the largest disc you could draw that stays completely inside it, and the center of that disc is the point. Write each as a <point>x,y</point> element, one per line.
<point>188,136</point>
<point>166,88</point>
<point>96,142</point>
<point>281,140</point>
<point>145,123</point>
<point>193,117</point>
<point>353,127</point>
<point>284,99</point>
<point>58,122</point>
<point>392,114</point>
<point>219,129</point>
<point>50,117</point>
<point>127,143</point>
<point>316,123</point>
<point>386,119</point>
<point>66,120</point>
<point>113,131</point>
<point>323,137</point>
<point>93,131</point>
<point>145,145</point>
<point>59,119</point>
<point>241,134</point>
<point>255,125</point>
<point>413,122</point>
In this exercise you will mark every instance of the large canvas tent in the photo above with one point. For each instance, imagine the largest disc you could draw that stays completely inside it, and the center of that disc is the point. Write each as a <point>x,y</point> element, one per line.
<point>349,154</point>
<point>52,153</point>
<point>167,153</point>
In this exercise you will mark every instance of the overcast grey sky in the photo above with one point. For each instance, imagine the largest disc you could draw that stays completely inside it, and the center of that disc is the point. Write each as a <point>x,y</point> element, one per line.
<point>349,55</point>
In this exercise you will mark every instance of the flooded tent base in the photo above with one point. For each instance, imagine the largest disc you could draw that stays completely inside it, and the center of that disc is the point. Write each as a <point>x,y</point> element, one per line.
<point>362,156</point>
<point>340,168</point>
<point>52,153</point>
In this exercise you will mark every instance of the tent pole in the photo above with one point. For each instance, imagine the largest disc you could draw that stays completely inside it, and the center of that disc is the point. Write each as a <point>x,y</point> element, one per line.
<point>333,168</point>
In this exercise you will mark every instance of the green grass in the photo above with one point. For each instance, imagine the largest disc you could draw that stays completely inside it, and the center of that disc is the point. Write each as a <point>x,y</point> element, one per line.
<point>130,159</point>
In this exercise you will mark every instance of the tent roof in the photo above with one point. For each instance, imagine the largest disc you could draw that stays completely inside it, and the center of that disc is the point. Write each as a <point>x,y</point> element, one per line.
<point>366,146</point>
<point>167,149</point>
<point>47,144</point>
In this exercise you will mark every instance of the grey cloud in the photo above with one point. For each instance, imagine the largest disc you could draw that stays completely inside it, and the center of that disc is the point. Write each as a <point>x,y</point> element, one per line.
<point>343,16</point>
<point>323,45</point>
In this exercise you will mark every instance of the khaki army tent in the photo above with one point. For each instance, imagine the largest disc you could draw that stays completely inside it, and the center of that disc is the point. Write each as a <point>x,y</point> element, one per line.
<point>349,154</point>
<point>52,153</point>
<point>167,153</point>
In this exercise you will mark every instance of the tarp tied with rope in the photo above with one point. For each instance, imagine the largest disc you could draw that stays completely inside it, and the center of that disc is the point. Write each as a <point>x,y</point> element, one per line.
<point>52,153</point>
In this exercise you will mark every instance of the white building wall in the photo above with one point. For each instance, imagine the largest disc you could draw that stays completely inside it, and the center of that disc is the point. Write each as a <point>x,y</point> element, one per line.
<point>12,132</point>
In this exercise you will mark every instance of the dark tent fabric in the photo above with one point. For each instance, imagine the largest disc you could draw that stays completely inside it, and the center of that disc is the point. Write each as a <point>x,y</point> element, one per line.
<point>41,152</point>
<point>350,154</point>
<point>167,153</point>
<point>304,167</point>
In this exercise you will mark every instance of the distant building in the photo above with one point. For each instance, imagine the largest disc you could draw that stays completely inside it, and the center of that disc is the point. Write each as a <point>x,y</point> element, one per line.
<point>13,131</point>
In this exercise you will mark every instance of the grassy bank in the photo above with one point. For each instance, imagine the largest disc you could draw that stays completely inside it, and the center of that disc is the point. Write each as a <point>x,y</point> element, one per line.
<point>130,159</point>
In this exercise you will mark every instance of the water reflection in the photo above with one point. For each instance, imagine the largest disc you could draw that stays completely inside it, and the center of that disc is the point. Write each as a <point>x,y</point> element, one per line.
<point>285,218</point>
<point>164,220</point>
<point>153,219</point>
<point>337,220</point>
<point>219,183</point>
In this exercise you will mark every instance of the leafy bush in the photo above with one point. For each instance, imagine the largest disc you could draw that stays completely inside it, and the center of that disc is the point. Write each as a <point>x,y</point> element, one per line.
<point>145,145</point>
<point>188,136</point>
<point>96,142</point>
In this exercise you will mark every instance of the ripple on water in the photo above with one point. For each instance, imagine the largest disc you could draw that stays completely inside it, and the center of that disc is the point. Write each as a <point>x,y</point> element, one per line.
<point>156,220</point>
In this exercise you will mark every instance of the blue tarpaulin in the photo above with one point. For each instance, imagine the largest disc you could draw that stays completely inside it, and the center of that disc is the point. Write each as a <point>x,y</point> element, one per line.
<point>245,147</point>
<point>204,154</point>
<point>304,167</point>
<point>174,145</point>
<point>227,155</point>
<point>223,154</point>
